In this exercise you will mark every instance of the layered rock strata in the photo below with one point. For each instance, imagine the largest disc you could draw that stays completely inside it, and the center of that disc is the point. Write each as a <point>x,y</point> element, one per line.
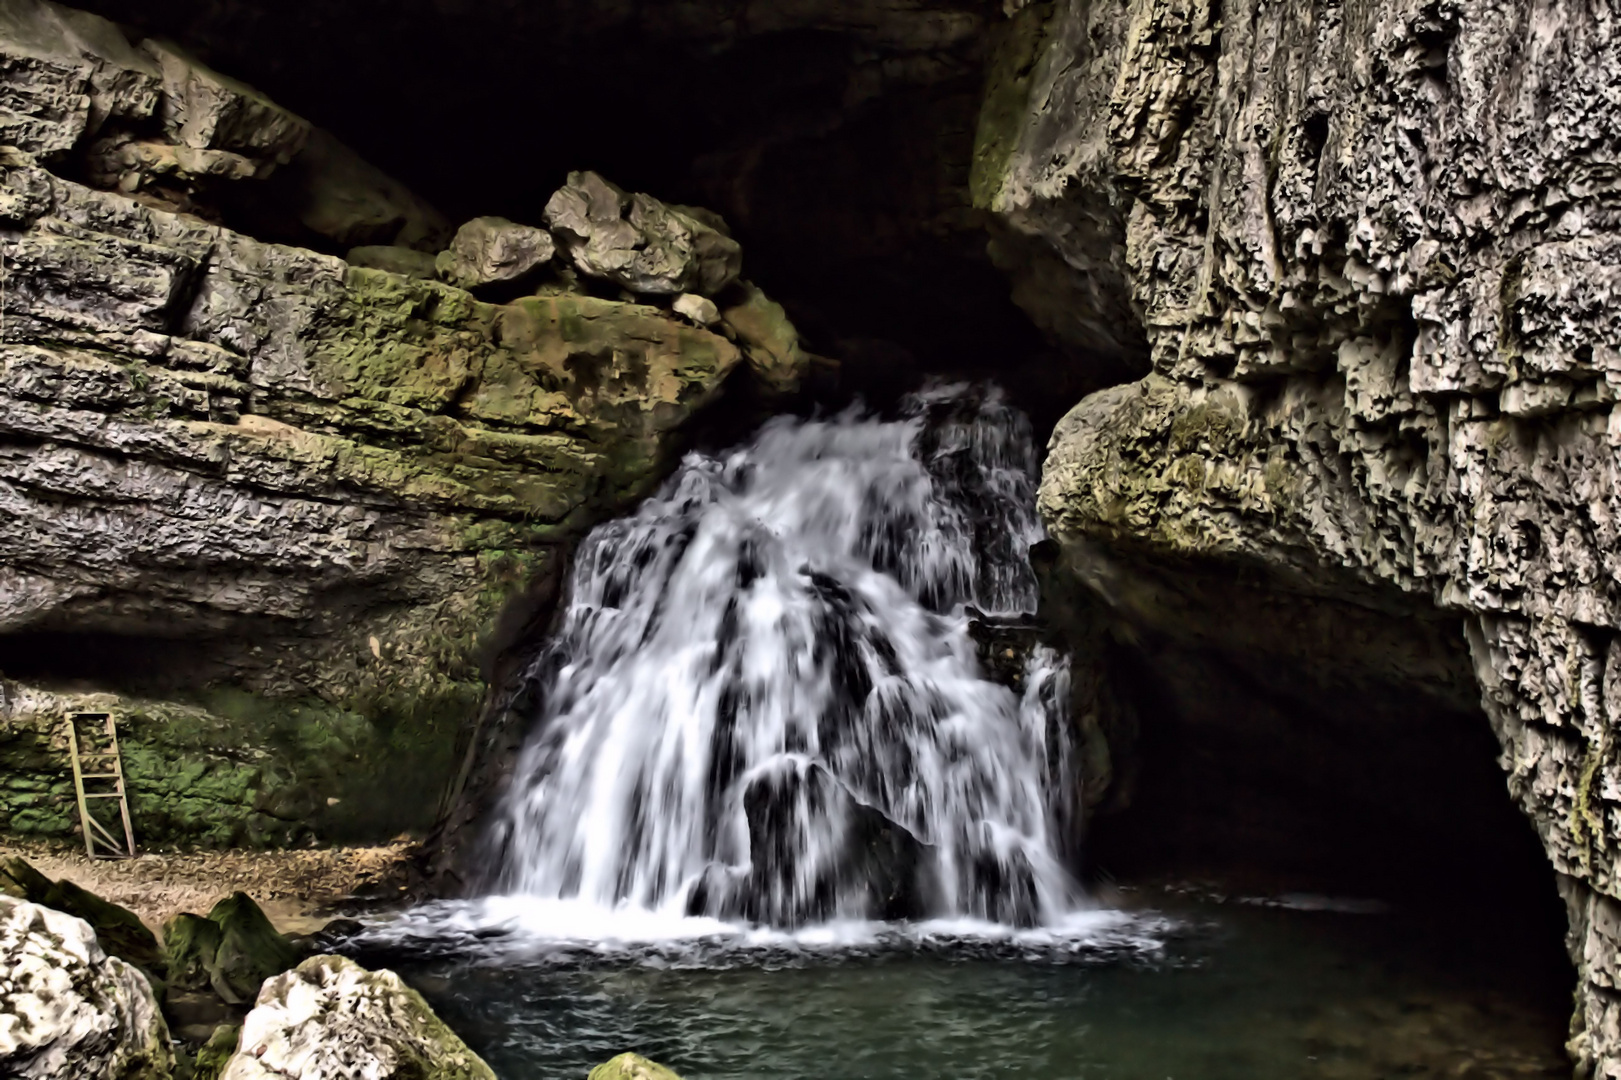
<point>1373,245</point>
<point>278,497</point>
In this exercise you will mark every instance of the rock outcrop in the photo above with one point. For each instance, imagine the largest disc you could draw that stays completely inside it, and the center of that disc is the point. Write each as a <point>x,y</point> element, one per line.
<point>639,242</point>
<point>330,1018</point>
<point>276,497</point>
<point>488,250</point>
<point>1373,248</point>
<point>68,1011</point>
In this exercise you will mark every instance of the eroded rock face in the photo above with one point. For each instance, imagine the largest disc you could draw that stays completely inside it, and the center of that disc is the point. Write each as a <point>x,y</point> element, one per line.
<point>331,1019</point>
<point>67,1010</point>
<point>304,486</point>
<point>1374,249</point>
<point>487,250</point>
<point>639,242</point>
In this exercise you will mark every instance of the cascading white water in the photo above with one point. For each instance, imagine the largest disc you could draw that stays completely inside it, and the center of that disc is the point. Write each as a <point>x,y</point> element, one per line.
<point>764,703</point>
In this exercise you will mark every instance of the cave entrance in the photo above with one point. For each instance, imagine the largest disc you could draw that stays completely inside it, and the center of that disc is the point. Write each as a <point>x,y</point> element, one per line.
<point>1309,754</point>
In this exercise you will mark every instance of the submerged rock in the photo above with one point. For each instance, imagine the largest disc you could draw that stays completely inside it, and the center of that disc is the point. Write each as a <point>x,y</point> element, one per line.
<point>631,1067</point>
<point>68,1011</point>
<point>641,243</point>
<point>331,1019</point>
<point>489,250</point>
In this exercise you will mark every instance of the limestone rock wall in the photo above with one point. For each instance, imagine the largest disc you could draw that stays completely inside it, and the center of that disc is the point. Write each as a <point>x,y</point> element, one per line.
<point>1374,245</point>
<point>257,471</point>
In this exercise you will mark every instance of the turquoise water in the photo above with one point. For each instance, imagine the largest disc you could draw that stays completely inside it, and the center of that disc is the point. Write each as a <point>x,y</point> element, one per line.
<point>1210,991</point>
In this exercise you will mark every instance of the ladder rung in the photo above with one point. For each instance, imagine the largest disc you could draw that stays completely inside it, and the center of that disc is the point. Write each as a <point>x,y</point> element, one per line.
<point>104,794</point>
<point>99,776</point>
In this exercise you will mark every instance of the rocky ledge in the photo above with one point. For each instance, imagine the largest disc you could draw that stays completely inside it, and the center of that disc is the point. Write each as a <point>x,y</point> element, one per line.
<point>279,497</point>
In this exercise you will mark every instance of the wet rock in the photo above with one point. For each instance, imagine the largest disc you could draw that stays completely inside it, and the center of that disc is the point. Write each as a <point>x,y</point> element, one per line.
<point>204,110</point>
<point>867,866</point>
<point>68,1011</point>
<point>639,242</point>
<point>1378,387</point>
<point>330,1017</point>
<point>631,1067</point>
<point>488,250</point>
<point>190,946</point>
<point>67,74</point>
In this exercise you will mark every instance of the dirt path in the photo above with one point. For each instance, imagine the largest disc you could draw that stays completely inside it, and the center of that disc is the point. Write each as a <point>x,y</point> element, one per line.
<point>297,889</point>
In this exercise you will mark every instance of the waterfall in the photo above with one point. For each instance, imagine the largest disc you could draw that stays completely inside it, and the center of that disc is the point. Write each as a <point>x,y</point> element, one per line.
<point>763,702</point>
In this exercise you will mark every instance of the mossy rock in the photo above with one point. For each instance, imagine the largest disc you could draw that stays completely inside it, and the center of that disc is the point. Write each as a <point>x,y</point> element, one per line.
<point>250,951</point>
<point>20,881</point>
<point>216,1052</point>
<point>191,947</point>
<point>118,929</point>
<point>631,1067</point>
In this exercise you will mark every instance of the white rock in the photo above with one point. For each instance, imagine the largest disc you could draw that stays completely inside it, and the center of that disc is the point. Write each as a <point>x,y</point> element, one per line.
<point>331,1019</point>
<point>68,1011</point>
<point>700,309</point>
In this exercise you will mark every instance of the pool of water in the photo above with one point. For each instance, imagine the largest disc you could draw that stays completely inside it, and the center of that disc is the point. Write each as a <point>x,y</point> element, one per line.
<point>1194,990</point>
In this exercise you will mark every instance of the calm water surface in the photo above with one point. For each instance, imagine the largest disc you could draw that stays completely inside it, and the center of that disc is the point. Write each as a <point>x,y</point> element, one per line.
<point>1211,992</point>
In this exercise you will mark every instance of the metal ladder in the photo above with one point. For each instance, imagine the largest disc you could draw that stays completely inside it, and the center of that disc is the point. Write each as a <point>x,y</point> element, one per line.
<point>96,761</point>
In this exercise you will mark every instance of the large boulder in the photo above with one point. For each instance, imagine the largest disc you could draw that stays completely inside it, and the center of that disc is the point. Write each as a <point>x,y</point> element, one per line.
<point>68,1011</point>
<point>250,950</point>
<point>641,243</point>
<point>118,930</point>
<point>488,250</point>
<point>631,1067</point>
<point>331,1019</point>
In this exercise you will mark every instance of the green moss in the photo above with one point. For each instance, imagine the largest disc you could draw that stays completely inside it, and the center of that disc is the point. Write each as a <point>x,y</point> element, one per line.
<point>1016,54</point>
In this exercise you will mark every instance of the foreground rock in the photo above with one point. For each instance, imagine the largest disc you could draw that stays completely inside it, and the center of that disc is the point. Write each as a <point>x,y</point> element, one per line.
<point>118,930</point>
<point>331,1019</point>
<point>631,1067</point>
<point>1377,271</point>
<point>68,1011</point>
<point>232,952</point>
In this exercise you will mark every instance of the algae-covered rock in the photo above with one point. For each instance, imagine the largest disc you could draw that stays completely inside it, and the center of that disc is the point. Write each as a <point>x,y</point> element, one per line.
<point>215,1054</point>
<point>319,1020</point>
<point>250,949</point>
<point>190,948</point>
<point>639,242</point>
<point>631,1067</point>
<point>68,1011</point>
<point>488,250</point>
